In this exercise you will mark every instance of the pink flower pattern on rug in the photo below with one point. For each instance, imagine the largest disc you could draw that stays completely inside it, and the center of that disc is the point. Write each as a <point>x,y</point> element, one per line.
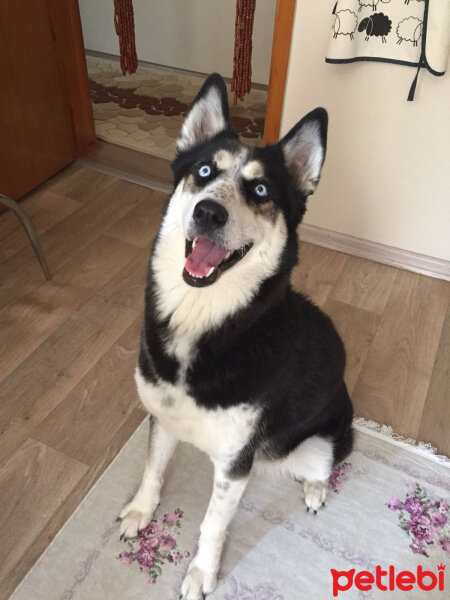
<point>339,475</point>
<point>424,519</point>
<point>156,546</point>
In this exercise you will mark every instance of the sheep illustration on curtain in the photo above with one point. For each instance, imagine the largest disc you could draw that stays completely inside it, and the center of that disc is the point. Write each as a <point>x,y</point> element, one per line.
<point>372,3</point>
<point>377,24</point>
<point>410,29</point>
<point>345,23</point>
<point>397,34</point>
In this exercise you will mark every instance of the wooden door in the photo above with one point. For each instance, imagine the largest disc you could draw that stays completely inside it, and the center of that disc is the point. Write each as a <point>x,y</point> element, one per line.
<point>45,113</point>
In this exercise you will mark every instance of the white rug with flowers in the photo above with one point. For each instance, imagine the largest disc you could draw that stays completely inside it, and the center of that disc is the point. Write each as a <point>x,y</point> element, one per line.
<point>385,533</point>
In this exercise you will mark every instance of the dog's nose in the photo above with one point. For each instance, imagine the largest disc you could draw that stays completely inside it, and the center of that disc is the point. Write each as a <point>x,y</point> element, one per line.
<point>210,215</point>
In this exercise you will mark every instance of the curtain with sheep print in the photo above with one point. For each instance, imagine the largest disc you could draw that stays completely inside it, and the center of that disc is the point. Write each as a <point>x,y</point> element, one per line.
<point>414,33</point>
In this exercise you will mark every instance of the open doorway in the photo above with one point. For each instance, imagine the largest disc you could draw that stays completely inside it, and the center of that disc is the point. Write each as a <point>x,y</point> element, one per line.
<point>178,44</point>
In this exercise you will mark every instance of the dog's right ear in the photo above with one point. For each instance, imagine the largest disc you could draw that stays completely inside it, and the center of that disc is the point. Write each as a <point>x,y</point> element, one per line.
<point>208,115</point>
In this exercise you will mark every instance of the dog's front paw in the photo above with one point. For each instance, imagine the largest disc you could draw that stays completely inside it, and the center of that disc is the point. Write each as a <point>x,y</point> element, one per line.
<point>197,583</point>
<point>135,517</point>
<point>316,493</point>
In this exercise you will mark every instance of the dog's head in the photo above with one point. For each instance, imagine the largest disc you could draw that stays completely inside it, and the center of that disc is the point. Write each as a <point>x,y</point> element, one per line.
<point>236,208</point>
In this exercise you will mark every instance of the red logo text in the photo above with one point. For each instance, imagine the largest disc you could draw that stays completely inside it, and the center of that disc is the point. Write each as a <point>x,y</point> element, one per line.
<point>388,580</point>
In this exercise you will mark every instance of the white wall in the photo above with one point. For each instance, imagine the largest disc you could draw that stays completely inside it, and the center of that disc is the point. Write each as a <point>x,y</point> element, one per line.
<point>197,35</point>
<point>387,173</point>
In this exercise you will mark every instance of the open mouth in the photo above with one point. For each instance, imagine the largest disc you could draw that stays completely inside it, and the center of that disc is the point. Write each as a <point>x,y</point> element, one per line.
<point>205,260</point>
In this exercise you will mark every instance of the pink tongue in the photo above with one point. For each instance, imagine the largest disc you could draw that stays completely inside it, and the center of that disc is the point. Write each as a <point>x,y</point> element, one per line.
<point>204,256</point>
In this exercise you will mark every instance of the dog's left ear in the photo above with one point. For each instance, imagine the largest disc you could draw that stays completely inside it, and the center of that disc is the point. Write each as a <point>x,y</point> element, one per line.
<point>208,115</point>
<point>304,150</point>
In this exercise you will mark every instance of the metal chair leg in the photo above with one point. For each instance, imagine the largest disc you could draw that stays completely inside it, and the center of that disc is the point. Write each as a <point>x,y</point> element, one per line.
<point>31,232</point>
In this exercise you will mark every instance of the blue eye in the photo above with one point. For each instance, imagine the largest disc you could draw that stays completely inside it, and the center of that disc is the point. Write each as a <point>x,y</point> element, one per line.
<point>204,171</point>
<point>261,190</point>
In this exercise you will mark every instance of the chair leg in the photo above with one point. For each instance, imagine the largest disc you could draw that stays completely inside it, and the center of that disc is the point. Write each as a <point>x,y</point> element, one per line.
<point>31,232</point>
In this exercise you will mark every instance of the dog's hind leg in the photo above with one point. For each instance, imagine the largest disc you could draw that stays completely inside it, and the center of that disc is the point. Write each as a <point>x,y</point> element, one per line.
<point>137,514</point>
<point>320,453</point>
<point>316,493</point>
<point>312,461</point>
<point>201,577</point>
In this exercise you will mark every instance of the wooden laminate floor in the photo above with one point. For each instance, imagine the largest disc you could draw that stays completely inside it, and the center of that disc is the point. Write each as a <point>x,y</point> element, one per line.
<point>69,346</point>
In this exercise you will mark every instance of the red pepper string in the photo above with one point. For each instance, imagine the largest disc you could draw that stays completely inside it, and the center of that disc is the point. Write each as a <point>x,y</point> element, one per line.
<point>124,24</point>
<point>242,60</point>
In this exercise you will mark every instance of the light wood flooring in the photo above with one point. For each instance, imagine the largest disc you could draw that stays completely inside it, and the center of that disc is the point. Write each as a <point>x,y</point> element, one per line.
<point>69,346</point>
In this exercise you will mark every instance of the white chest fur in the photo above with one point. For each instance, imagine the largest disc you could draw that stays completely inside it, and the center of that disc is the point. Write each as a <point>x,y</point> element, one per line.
<point>221,433</point>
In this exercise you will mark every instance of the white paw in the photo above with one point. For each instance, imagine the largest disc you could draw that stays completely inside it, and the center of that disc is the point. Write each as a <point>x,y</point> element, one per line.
<point>197,583</point>
<point>134,517</point>
<point>316,493</point>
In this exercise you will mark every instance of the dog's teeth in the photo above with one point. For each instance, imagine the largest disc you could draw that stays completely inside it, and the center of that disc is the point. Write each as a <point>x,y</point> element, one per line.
<point>194,242</point>
<point>228,254</point>
<point>202,276</point>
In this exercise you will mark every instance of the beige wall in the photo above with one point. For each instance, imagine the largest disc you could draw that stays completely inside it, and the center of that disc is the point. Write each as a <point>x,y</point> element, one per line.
<point>197,35</point>
<point>387,173</point>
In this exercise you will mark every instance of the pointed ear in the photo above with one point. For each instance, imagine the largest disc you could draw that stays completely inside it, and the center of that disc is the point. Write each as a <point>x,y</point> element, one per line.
<point>304,150</point>
<point>208,114</point>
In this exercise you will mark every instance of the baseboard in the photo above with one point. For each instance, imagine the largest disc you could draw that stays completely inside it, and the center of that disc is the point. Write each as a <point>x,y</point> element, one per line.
<point>147,182</point>
<point>388,255</point>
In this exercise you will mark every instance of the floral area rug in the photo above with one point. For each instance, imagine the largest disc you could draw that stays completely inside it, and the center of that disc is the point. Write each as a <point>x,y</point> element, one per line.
<point>144,111</point>
<point>387,514</point>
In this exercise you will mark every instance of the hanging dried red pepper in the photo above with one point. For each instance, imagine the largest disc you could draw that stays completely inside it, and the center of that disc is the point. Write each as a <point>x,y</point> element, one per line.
<point>242,61</point>
<point>124,23</point>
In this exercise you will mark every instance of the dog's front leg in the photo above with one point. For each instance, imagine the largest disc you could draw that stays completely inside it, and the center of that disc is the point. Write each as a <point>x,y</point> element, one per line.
<point>201,578</point>
<point>137,514</point>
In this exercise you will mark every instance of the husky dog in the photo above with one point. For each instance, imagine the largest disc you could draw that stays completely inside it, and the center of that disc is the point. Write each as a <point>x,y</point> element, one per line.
<point>233,360</point>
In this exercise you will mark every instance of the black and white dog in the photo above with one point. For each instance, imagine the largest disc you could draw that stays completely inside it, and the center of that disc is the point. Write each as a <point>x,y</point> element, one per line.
<point>233,360</point>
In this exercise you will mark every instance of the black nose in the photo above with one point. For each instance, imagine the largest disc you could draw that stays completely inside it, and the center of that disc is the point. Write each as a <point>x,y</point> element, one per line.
<point>210,215</point>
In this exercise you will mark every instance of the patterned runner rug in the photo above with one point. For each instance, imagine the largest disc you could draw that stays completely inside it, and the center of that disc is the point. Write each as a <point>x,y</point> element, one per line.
<point>388,511</point>
<point>144,111</point>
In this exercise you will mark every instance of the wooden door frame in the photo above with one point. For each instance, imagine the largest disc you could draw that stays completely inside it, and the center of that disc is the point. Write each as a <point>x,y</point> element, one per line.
<point>281,46</point>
